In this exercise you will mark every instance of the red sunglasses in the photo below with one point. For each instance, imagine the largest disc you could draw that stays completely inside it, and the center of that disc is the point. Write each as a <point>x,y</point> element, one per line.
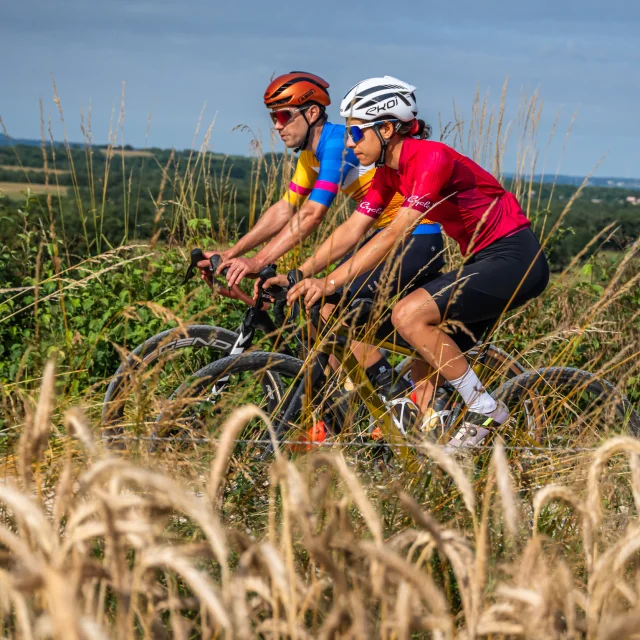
<point>285,116</point>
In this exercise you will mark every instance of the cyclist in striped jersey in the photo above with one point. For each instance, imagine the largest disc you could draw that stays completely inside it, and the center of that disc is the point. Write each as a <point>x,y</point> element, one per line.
<point>297,103</point>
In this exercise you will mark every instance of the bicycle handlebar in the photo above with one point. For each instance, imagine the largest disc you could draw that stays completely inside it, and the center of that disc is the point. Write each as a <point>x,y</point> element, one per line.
<point>275,293</point>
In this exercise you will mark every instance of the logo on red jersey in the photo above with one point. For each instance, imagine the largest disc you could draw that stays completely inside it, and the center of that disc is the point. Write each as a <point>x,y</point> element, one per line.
<point>417,202</point>
<point>365,207</point>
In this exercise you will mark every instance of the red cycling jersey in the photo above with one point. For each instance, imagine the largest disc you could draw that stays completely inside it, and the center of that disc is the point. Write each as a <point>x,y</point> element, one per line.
<point>466,200</point>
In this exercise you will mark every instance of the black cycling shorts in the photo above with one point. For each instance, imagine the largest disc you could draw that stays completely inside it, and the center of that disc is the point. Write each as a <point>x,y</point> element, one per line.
<point>410,266</point>
<point>502,276</point>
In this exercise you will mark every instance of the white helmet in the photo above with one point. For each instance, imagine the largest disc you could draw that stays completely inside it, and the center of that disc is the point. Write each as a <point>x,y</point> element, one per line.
<point>380,98</point>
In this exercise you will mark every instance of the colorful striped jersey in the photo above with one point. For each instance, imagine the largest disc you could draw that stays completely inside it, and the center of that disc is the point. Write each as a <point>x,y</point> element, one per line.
<point>334,167</point>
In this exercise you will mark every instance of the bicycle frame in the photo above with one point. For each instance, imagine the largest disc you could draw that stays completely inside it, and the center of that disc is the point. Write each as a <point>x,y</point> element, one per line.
<point>335,343</point>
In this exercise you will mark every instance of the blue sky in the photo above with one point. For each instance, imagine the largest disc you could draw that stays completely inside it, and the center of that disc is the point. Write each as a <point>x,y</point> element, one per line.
<point>177,57</point>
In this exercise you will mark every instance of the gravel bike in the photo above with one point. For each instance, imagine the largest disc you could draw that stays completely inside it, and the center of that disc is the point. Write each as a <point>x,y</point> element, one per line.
<point>139,389</point>
<point>550,406</point>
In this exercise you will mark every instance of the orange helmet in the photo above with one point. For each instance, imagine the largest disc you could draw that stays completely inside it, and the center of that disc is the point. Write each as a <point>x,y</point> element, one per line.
<point>296,88</point>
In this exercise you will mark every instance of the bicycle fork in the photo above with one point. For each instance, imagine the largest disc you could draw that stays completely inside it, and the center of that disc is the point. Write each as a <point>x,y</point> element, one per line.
<point>243,342</point>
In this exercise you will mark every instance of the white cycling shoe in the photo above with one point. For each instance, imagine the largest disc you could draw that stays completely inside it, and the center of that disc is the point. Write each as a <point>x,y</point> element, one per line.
<point>475,428</point>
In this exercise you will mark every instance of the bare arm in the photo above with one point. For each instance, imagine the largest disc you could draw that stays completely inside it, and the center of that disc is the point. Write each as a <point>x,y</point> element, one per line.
<point>271,222</point>
<point>368,257</point>
<point>302,224</point>
<point>338,244</point>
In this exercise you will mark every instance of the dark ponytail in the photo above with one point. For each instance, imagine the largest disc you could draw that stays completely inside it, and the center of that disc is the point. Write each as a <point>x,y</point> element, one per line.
<point>416,129</point>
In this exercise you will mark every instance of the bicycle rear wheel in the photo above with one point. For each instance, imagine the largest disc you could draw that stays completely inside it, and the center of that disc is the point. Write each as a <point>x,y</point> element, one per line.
<point>576,408</point>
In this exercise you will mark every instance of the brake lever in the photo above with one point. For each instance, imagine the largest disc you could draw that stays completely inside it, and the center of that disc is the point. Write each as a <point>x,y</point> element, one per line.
<point>275,293</point>
<point>294,276</point>
<point>314,312</point>
<point>267,272</point>
<point>196,256</point>
<point>278,312</point>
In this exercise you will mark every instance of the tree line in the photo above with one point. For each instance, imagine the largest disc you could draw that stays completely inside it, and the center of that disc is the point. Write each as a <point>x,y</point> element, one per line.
<point>164,193</point>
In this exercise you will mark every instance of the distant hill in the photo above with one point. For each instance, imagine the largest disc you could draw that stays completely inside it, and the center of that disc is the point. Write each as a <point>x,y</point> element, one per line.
<point>7,142</point>
<point>576,181</point>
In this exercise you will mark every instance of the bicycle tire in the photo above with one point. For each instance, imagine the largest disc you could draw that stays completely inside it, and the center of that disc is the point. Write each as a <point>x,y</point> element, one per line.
<point>555,378</point>
<point>275,365</point>
<point>217,339</point>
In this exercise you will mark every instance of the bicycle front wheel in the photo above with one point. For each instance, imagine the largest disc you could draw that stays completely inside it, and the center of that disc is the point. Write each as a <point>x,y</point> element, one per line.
<point>190,425</point>
<point>199,407</point>
<point>154,369</point>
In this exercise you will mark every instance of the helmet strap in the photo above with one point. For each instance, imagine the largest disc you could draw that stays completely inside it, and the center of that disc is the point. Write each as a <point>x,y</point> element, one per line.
<point>383,144</point>
<point>310,126</point>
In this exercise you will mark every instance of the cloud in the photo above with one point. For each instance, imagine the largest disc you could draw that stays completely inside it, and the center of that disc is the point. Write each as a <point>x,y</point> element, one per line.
<point>177,56</point>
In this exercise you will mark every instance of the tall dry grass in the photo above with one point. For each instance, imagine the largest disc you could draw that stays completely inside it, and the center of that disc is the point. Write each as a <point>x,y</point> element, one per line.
<point>94,546</point>
<point>506,545</point>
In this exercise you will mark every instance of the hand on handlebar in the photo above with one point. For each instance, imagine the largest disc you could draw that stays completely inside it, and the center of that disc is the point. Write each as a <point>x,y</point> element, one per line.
<point>239,268</point>
<point>277,281</point>
<point>313,289</point>
<point>205,265</point>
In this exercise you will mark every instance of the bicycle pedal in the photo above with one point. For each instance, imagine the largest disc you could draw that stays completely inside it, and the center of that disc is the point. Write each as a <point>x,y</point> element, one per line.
<point>315,435</point>
<point>404,414</point>
<point>376,434</point>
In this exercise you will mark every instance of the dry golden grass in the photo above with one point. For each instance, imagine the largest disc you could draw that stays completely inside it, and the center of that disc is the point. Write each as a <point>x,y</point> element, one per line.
<point>9,167</point>
<point>17,190</point>
<point>95,547</point>
<point>127,153</point>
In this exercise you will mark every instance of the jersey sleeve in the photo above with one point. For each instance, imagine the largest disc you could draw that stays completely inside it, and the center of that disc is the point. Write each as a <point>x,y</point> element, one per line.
<point>379,195</point>
<point>304,178</point>
<point>430,174</point>
<point>333,169</point>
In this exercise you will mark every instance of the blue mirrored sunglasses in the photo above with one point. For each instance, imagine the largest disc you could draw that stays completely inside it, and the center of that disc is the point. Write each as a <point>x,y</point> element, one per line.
<point>356,131</point>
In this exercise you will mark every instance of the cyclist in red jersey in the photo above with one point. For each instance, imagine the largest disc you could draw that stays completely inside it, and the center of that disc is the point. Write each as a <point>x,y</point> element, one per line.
<point>504,265</point>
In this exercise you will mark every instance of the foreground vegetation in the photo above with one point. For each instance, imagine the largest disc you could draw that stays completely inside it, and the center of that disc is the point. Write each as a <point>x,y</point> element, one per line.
<point>505,544</point>
<point>96,546</point>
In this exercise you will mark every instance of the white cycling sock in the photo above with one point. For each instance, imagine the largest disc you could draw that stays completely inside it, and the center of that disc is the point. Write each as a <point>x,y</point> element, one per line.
<point>474,394</point>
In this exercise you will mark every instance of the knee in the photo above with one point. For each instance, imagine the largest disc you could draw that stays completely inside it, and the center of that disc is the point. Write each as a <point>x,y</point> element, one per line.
<point>409,314</point>
<point>400,314</point>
